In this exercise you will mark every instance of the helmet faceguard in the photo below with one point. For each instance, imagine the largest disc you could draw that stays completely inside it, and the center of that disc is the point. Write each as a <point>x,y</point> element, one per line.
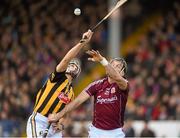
<point>74,72</point>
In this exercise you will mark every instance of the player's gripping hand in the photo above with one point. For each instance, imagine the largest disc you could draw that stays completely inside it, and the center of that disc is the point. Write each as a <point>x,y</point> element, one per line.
<point>53,118</point>
<point>58,126</point>
<point>95,56</point>
<point>86,37</point>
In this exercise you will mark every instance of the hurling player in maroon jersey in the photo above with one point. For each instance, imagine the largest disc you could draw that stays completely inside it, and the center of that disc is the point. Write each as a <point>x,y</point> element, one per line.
<point>110,98</point>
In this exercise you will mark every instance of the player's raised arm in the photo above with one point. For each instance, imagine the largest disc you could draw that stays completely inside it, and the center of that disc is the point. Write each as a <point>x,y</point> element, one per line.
<point>82,97</point>
<point>74,51</point>
<point>113,70</point>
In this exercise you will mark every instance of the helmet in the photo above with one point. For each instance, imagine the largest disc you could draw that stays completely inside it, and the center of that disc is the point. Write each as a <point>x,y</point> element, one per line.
<point>74,73</point>
<point>123,62</point>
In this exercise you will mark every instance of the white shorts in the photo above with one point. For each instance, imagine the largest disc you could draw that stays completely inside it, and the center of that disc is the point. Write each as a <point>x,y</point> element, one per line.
<point>100,133</point>
<point>37,125</point>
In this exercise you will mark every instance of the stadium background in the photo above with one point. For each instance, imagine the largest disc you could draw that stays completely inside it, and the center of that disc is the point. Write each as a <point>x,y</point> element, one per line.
<point>35,35</point>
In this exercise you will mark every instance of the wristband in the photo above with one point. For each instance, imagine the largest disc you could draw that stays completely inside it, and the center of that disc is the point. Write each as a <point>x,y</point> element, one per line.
<point>104,62</point>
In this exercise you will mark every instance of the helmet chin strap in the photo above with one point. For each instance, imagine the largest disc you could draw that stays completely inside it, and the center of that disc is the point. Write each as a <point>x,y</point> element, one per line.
<point>73,73</point>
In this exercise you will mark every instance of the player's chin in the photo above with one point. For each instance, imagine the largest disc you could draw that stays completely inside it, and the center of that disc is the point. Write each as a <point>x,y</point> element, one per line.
<point>71,74</point>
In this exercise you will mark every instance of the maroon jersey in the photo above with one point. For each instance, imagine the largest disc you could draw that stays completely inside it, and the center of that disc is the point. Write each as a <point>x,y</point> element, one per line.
<point>109,104</point>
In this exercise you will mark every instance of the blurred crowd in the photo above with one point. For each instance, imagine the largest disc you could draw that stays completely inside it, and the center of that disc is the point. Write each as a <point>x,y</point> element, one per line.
<point>154,73</point>
<point>35,35</point>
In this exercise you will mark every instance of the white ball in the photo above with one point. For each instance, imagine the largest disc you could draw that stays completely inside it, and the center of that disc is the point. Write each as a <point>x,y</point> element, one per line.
<point>77,11</point>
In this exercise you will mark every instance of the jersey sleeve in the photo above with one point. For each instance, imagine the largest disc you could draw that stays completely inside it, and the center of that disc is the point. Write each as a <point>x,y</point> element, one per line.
<point>57,76</point>
<point>91,89</point>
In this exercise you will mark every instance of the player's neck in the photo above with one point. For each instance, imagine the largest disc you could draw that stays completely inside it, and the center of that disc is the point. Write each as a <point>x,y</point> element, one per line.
<point>110,80</point>
<point>69,78</point>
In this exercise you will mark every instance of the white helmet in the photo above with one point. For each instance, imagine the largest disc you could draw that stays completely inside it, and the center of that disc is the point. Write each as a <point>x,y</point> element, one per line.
<point>74,73</point>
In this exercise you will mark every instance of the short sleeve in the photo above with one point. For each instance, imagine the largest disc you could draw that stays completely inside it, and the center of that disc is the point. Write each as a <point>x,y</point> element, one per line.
<point>91,89</point>
<point>57,76</point>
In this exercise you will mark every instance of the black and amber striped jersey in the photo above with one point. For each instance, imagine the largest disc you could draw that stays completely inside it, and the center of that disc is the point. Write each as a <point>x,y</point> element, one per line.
<point>54,95</point>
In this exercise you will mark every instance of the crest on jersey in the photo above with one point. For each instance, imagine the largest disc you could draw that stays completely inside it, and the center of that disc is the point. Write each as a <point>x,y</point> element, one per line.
<point>113,90</point>
<point>64,98</point>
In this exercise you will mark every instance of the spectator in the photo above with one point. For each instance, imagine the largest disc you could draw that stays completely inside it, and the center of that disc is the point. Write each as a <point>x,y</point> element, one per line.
<point>147,132</point>
<point>128,128</point>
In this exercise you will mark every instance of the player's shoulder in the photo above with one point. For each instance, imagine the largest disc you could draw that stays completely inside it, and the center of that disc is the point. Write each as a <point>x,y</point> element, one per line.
<point>100,81</point>
<point>95,84</point>
<point>56,76</point>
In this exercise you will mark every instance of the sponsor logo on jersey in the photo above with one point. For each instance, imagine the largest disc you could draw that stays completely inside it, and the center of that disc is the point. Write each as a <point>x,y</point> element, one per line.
<point>106,100</point>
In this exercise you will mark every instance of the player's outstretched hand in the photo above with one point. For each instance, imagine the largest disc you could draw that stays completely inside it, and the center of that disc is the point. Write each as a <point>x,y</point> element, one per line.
<point>86,37</point>
<point>95,56</point>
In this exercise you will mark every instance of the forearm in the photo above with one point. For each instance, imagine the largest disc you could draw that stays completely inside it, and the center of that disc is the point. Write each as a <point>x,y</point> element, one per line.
<point>83,96</point>
<point>110,70</point>
<point>69,56</point>
<point>113,73</point>
<point>62,66</point>
<point>73,52</point>
<point>72,105</point>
